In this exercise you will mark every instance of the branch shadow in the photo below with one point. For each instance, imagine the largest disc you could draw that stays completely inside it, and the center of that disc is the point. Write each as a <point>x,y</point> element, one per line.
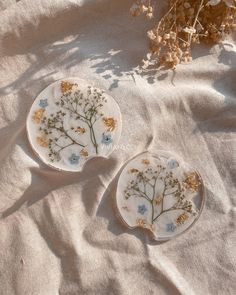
<point>113,46</point>
<point>45,180</point>
<point>226,84</point>
<point>64,53</point>
<point>108,48</point>
<point>227,55</point>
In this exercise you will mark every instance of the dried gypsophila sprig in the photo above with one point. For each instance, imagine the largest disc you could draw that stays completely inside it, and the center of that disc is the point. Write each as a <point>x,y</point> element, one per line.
<point>145,181</point>
<point>142,6</point>
<point>84,108</point>
<point>185,23</point>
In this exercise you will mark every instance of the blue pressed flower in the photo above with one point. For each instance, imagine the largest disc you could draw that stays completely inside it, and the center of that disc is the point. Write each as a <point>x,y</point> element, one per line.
<point>172,164</point>
<point>74,159</point>
<point>170,227</point>
<point>43,103</point>
<point>106,138</point>
<point>142,209</point>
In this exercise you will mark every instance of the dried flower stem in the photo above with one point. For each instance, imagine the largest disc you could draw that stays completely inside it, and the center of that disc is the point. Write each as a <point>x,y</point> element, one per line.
<point>196,20</point>
<point>83,108</point>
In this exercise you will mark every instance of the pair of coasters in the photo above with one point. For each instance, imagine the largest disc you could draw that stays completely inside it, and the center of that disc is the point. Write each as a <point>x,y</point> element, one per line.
<point>71,122</point>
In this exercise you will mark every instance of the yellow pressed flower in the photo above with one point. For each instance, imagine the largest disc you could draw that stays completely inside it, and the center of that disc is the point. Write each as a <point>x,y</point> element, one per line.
<point>144,224</point>
<point>145,161</point>
<point>192,181</point>
<point>42,141</point>
<point>37,115</point>
<point>84,153</point>
<point>67,86</point>
<point>182,218</point>
<point>80,130</point>
<point>157,201</point>
<point>141,222</point>
<point>110,123</point>
<point>133,170</point>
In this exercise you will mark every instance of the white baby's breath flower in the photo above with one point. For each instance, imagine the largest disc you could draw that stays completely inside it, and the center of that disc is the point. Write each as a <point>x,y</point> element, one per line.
<point>149,56</point>
<point>144,8</point>
<point>213,2</point>
<point>172,35</point>
<point>145,64</point>
<point>189,30</point>
<point>151,35</point>
<point>166,37</point>
<point>158,39</point>
<point>149,15</point>
<point>229,3</point>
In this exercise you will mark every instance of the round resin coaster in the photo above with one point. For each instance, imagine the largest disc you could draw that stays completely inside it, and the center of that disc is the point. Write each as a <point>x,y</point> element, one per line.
<point>71,122</point>
<point>160,193</point>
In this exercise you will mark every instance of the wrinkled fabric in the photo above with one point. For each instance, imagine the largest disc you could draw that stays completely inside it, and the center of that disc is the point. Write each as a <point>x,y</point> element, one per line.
<point>59,232</point>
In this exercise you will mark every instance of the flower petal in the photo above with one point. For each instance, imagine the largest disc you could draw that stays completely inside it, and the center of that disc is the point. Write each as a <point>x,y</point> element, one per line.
<point>213,2</point>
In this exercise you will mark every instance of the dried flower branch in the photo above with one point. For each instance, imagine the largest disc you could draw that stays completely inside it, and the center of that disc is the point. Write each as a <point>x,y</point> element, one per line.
<point>145,182</point>
<point>84,108</point>
<point>186,22</point>
<point>64,138</point>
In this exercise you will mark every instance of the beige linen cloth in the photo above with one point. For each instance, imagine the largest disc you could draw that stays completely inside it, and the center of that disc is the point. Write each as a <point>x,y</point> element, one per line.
<point>59,233</point>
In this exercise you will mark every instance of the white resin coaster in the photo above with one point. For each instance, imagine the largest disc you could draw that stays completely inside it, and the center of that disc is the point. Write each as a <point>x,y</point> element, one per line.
<point>160,193</point>
<point>71,122</point>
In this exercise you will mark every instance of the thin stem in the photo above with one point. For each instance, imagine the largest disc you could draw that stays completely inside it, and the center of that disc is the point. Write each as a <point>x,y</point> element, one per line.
<point>94,139</point>
<point>183,40</point>
<point>168,12</point>
<point>152,211</point>
<point>92,135</point>
<point>142,194</point>
<point>164,194</point>
<point>153,196</point>
<point>66,133</point>
<point>63,147</point>
<point>86,120</point>
<point>145,186</point>
<point>167,210</point>
<point>173,208</point>
<point>197,15</point>
<point>195,20</point>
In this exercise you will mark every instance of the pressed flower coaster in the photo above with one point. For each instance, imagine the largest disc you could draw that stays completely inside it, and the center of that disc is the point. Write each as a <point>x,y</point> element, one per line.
<point>160,193</point>
<point>71,122</point>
